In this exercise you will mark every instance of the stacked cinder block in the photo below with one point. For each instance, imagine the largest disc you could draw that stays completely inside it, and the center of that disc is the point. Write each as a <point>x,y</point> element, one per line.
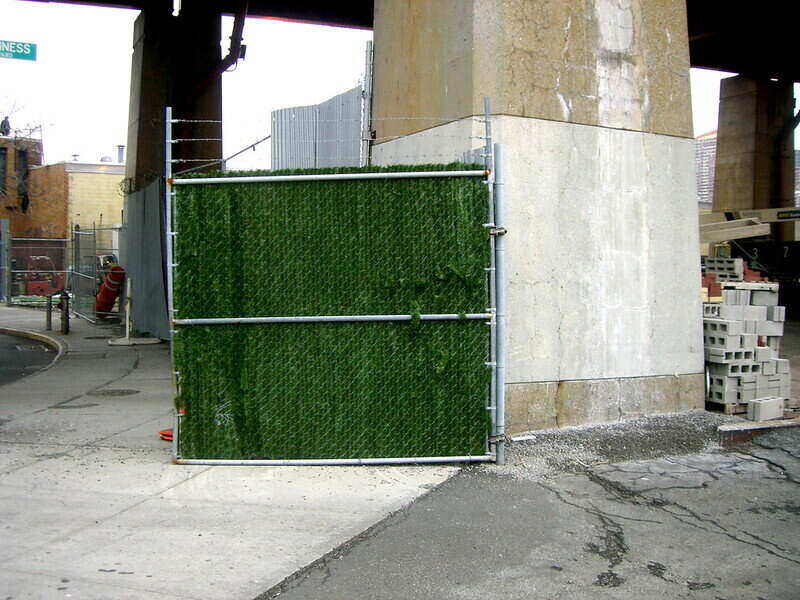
<point>726,269</point>
<point>718,270</point>
<point>742,337</point>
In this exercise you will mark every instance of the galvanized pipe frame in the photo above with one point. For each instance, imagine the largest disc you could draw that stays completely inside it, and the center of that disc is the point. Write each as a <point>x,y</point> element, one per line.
<point>169,227</point>
<point>333,462</point>
<point>327,177</point>
<point>500,305</point>
<point>496,312</point>
<point>332,319</point>
<point>488,157</point>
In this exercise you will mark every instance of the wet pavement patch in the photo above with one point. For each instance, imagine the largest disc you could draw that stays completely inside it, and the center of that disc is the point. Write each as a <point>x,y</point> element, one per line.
<point>21,357</point>
<point>112,393</point>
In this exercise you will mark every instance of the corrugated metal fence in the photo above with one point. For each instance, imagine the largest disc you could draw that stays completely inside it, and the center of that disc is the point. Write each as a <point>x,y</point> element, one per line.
<point>323,135</point>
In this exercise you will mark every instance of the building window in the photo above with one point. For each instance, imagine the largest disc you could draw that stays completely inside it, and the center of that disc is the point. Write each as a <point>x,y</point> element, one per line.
<point>3,169</point>
<point>22,179</point>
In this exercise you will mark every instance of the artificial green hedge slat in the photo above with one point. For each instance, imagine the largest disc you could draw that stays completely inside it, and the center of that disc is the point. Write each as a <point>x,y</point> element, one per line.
<point>333,390</point>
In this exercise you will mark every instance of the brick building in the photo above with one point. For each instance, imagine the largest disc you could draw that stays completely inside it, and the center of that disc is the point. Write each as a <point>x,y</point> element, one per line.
<point>18,155</point>
<point>66,194</point>
<point>76,193</point>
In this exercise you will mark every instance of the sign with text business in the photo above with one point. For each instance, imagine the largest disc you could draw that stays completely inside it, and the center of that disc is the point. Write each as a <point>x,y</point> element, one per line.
<point>20,50</point>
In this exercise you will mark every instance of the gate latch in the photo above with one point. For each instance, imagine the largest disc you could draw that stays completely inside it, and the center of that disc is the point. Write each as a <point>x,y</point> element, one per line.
<point>497,231</point>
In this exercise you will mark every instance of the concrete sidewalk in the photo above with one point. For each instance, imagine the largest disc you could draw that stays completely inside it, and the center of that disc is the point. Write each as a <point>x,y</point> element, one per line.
<point>91,506</point>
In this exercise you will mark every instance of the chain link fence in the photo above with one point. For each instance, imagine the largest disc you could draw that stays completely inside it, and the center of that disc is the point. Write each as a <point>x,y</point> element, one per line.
<point>94,251</point>
<point>33,269</point>
<point>340,319</point>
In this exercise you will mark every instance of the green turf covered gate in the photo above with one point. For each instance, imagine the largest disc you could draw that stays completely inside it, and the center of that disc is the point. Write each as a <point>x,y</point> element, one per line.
<point>331,316</point>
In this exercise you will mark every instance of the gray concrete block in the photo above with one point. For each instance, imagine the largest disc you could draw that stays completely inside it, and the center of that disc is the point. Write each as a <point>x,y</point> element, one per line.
<point>711,309</point>
<point>763,353</point>
<point>754,313</point>
<point>748,340</point>
<point>764,298</point>
<point>733,369</point>
<point>732,312</point>
<point>782,365</point>
<point>750,326</point>
<point>727,342</point>
<point>736,297</point>
<point>769,328</point>
<point>764,409</point>
<point>723,356</point>
<point>746,395</point>
<point>724,397</point>
<point>775,313</point>
<point>774,342</point>
<point>723,326</point>
<point>769,367</point>
<point>752,285</point>
<point>724,383</point>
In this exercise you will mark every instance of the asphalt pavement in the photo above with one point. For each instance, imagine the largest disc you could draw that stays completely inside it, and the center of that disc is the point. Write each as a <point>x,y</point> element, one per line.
<point>561,522</point>
<point>20,357</point>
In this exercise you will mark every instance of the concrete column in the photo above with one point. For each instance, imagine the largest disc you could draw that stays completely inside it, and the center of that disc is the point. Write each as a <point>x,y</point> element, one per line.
<point>753,169</point>
<point>591,102</point>
<point>173,62</point>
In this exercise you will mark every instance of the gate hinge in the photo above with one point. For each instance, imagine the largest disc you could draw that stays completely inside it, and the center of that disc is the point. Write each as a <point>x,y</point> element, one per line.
<point>497,231</point>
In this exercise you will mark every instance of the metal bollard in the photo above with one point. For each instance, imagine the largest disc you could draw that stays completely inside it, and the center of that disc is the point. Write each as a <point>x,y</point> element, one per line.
<point>48,323</point>
<point>64,312</point>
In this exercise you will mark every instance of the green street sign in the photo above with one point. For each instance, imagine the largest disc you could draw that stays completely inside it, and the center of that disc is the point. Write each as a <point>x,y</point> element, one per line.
<point>20,50</point>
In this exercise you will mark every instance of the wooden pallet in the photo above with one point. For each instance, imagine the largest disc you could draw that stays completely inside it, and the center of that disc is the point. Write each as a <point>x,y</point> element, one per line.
<point>734,408</point>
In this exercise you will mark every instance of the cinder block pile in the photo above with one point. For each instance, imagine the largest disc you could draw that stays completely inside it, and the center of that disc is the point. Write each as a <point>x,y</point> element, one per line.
<point>718,270</point>
<point>742,337</point>
<point>726,269</point>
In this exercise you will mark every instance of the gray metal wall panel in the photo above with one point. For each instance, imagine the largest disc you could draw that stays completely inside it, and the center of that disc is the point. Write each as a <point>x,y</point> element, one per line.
<point>293,137</point>
<point>143,255</point>
<point>328,134</point>
<point>339,130</point>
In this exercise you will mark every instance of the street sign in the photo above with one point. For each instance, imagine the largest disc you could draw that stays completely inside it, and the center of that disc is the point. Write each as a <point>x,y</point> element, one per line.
<point>20,50</point>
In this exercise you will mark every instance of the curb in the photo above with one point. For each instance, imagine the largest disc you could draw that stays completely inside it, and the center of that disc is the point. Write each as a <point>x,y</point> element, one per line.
<point>59,346</point>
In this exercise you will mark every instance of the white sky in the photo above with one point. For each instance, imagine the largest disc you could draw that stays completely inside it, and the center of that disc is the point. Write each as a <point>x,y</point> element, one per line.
<point>78,87</point>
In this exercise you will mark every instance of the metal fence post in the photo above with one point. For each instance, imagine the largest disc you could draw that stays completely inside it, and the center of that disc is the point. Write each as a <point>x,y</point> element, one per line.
<point>48,321</point>
<point>5,261</point>
<point>64,312</point>
<point>500,284</point>
<point>488,160</point>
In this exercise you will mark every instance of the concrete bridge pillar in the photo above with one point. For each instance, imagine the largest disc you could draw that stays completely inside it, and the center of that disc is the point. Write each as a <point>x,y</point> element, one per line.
<point>173,64</point>
<point>755,147</point>
<point>590,99</point>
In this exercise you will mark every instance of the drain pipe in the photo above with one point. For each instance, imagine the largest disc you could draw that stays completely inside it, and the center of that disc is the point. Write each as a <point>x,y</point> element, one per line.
<point>235,50</point>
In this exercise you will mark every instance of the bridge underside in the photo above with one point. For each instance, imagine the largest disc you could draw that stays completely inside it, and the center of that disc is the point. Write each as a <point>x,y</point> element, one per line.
<point>748,38</point>
<point>603,298</point>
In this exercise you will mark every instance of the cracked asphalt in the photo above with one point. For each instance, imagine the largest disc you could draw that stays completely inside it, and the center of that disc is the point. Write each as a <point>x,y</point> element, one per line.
<point>567,518</point>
